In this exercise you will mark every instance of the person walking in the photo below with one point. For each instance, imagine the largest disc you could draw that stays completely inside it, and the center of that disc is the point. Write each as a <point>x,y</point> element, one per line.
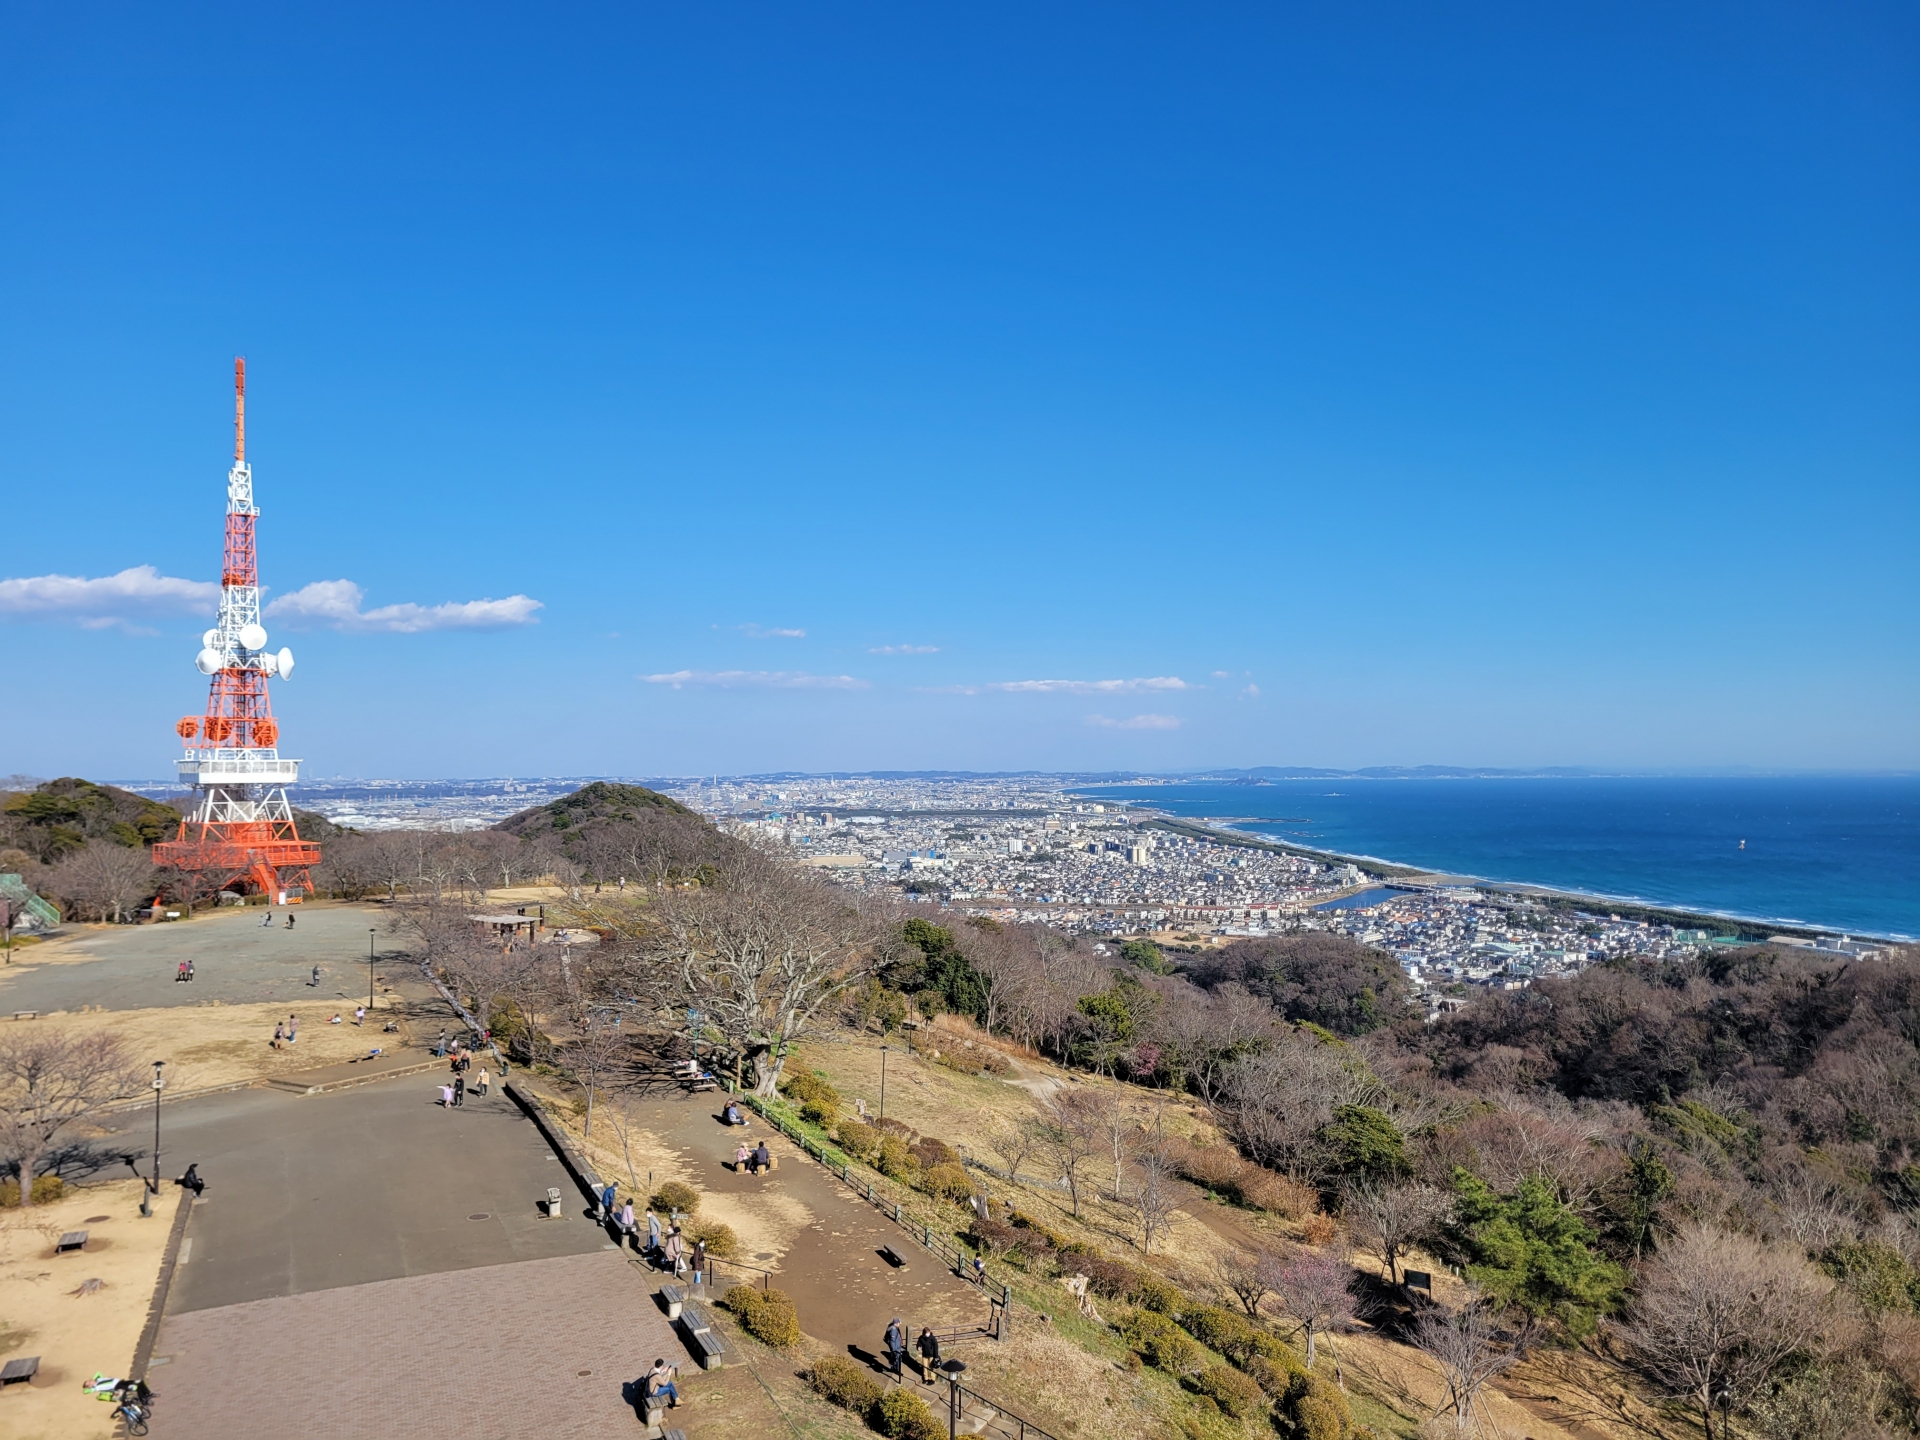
<point>267,923</point>
<point>653,1232</point>
<point>676,1252</point>
<point>481,1084</point>
<point>315,981</point>
<point>440,1046</point>
<point>182,974</point>
<point>607,1197</point>
<point>896,1342</point>
<point>279,1035</point>
<point>459,1089</point>
<point>699,1262</point>
<point>289,920</point>
<point>359,1014</point>
<point>293,1029</point>
<point>189,972</point>
<point>625,1220</point>
<point>929,1347</point>
<point>446,1097</point>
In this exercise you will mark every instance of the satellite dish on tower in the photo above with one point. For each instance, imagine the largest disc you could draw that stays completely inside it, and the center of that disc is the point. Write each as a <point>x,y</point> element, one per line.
<point>207,639</point>
<point>253,636</point>
<point>207,661</point>
<point>285,658</point>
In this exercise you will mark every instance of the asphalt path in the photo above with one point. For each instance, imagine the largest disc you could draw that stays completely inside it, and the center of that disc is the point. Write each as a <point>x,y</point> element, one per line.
<point>236,961</point>
<point>380,1182</point>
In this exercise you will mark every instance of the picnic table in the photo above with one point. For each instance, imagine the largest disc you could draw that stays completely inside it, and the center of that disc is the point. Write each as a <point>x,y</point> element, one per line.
<point>72,1240</point>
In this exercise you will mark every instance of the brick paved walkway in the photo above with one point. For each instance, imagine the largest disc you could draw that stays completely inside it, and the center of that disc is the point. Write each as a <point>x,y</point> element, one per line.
<point>487,1354</point>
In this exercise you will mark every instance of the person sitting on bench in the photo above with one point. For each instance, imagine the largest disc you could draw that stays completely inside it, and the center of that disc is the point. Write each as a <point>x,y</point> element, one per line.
<point>191,1180</point>
<point>742,1157</point>
<point>732,1113</point>
<point>762,1161</point>
<point>659,1383</point>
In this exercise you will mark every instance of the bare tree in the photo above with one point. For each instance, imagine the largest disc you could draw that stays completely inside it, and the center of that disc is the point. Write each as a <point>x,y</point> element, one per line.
<point>1391,1219</point>
<point>1465,1343</point>
<point>1157,1193</point>
<point>1118,1127</point>
<point>1251,1276</point>
<point>1718,1313</point>
<point>106,880</point>
<point>1315,1287</point>
<point>1013,1141</point>
<point>49,1081</point>
<point>1069,1138</point>
<point>758,953</point>
<point>596,1052</point>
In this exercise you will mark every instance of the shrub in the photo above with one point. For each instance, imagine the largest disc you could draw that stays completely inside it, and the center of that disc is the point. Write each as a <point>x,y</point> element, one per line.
<point>722,1243</point>
<point>893,1127</point>
<point>931,1152</point>
<point>990,1237</point>
<point>1221,1330</point>
<point>858,1139</point>
<point>804,1085</point>
<point>846,1384</point>
<point>1161,1343</point>
<point>1050,1239</point>
<point>1318,1229</point>
<point>946,1182</point>
<point>1274,1373</point>
<point>1156,1294</point>
<point>993,1063</point>
<point>675,1196</point>
<point>896,1161</point>
<point>901,1415</point>
<point>767,1315</point>
<point>46,1189</point>
<point>1113,1279</point>
<point>816,1112</point>
<point>1264,1190</point>
<point>1312,1409</point>
<point>1233,1392</point>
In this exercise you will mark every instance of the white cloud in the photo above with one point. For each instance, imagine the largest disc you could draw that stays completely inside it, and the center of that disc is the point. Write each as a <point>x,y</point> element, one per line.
<point>1138,722</point>
<point>1089,687</point>
<point>903,650</point>
<point>755,680</point>
<point>1223,674</point>
<point>1252,692</point>
<point>758,633</point>
<point>337,603</point>
<point>107,600</point>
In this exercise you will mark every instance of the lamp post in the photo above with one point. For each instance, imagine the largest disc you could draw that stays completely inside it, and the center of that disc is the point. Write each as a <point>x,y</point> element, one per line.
<point>953,1369</point>
<point>883,1082</point>
<point>370,934</point>
<point>152,1191</point>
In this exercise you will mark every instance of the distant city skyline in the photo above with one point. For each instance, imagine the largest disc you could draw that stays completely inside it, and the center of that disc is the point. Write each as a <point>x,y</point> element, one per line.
<point>651,393</point>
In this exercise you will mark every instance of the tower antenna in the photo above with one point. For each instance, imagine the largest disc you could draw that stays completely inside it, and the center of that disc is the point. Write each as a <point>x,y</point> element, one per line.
<point>241,831</point>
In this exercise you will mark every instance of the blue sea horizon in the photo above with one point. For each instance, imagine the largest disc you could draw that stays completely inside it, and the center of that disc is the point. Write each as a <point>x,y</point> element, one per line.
<point>1830,852</point>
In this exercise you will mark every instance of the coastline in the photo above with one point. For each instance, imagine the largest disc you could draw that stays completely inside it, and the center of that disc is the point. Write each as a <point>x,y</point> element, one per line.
<point>1390,872</point>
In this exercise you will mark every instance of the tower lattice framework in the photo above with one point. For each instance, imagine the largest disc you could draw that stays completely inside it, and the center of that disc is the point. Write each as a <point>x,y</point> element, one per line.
<point>241,830</point>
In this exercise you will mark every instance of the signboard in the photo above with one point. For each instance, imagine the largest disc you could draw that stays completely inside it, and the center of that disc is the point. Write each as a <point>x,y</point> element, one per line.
<point>1418,1280</point>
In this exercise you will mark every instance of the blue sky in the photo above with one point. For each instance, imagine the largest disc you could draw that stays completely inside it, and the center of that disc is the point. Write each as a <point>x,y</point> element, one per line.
<point>1001,386</point>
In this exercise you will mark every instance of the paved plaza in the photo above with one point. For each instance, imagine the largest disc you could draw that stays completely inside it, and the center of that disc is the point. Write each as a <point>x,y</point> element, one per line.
<point>539,1348</point>
<point>237,961</point>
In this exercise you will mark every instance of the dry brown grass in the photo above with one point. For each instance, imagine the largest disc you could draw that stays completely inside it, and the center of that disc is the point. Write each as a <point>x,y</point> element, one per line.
<point>75,1337</point>
<point>214,1044</point>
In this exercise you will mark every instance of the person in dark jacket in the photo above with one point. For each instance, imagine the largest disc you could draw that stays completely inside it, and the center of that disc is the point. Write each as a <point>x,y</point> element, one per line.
<point>929,1347</point>
<point>896,1342</point>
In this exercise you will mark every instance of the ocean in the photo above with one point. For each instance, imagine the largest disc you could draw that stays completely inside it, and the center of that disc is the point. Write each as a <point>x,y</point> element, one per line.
<point>1836,853</point>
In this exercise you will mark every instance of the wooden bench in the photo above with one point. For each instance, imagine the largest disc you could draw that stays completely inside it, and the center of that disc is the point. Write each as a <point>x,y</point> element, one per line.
<point>702,1339</point>
<point>72,1240</point>
<point>893,1257</point>
<point>673,1298</point>
<point>18,1371</point>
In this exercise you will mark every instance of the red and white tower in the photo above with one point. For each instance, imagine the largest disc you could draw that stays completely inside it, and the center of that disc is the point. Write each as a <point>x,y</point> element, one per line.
<point>241,825</point>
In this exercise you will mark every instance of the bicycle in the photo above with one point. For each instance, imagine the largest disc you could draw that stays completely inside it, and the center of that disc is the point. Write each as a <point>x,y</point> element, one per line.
<point>133,1403</point>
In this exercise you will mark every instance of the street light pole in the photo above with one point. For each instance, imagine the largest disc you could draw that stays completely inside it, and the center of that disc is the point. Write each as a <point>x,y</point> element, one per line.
<point>953,1369</point>
<point>883,1082</point>
<point>152,1191</point>
<point>370,971</point>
